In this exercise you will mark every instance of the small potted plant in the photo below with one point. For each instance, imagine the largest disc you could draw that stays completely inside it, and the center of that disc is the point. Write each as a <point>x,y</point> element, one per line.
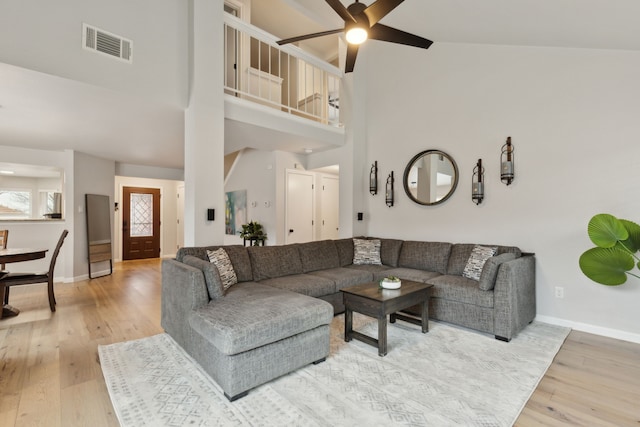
<point>254,233</point>
<point>390,282</point>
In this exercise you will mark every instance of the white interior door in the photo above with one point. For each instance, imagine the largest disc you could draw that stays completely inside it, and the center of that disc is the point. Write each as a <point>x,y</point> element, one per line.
<point>299,211</point>
<point>330,214</point>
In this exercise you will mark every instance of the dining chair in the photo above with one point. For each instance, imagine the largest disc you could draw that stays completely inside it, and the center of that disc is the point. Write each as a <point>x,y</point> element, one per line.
<point>16,279</point>
<point>4,236</point>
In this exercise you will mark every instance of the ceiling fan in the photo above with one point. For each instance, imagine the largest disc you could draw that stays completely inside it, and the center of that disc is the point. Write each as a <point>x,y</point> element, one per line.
<point>361,23</point>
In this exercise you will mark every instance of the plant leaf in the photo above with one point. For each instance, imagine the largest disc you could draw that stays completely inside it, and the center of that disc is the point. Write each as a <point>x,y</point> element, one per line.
<point>606,230</point>
<point>607,266</point>
<point>633,242</point>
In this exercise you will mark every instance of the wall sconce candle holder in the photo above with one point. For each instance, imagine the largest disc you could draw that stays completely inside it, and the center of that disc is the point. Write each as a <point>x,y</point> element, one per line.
<point>507,161</point>
<point>373,178</point>
<point>388,195</point>
<point>477,183</point>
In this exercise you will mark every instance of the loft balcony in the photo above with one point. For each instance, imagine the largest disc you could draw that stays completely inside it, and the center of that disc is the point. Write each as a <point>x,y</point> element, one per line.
<point>277,97</point>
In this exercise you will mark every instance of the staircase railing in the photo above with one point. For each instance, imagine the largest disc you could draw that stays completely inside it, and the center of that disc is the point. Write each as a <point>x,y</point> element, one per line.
<point>282,77</point>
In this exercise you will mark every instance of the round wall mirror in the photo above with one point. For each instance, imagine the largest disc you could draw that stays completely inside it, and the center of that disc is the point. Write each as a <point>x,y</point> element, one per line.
<point>430,177</point>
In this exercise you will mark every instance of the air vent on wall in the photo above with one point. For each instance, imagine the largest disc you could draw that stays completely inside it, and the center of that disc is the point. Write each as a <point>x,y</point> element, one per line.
<point>101,41</point>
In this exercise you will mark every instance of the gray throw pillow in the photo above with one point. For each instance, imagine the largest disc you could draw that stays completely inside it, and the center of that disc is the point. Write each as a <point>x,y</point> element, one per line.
<point>221,260</point>
<point>475,263</point>
<point>366,252</point>
<point>490,270</point>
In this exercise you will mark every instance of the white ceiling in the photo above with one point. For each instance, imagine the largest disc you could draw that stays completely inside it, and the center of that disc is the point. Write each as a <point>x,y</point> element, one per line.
<point>46,112</point>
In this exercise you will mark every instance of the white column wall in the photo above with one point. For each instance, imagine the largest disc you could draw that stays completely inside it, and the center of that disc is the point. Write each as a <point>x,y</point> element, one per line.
<point>204,126</point>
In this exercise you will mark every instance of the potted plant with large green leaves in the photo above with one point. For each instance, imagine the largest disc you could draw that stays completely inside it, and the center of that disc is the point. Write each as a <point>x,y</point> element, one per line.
<point>254,233</point>
<point>617,241</point>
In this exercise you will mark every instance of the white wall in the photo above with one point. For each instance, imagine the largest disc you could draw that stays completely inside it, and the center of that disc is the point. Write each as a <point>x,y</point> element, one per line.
<point>573,117</point>
<point>92,175</point>
<point>168,212</point>
<point>46,36</point>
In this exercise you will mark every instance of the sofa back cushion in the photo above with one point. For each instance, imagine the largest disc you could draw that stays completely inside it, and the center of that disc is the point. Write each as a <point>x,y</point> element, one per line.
<point>460,253</point>
<point>320,255</point>
<point>269,262</point>
<point>390,251</point>
<point>430,256</point>
<point>345,251</point>
<point>237,254</point>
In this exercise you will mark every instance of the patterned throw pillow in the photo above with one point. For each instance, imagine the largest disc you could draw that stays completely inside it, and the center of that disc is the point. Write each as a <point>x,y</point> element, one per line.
<point>222,262</point>
<point>366,252</point>
<point>475,263</point>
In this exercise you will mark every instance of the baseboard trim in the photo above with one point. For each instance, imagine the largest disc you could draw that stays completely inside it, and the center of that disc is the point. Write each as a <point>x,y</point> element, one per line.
<point>592,329</point>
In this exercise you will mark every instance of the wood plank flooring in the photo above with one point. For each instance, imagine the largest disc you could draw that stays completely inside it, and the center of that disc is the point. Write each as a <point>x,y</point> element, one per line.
<point>50,373</point>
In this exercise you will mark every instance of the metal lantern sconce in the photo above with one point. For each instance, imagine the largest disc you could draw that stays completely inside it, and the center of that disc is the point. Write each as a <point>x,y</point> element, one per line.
<point>477,184</point>
<point>388,195</point>
<point>507,161</point>
<point>373,178</point>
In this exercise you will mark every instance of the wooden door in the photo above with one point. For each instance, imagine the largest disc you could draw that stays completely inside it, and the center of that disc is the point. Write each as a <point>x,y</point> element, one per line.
<point>299,209</point>
<point>140,223</point>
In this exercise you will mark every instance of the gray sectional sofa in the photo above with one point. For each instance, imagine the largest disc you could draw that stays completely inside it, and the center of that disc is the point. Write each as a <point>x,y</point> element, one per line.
<point>276,318</point>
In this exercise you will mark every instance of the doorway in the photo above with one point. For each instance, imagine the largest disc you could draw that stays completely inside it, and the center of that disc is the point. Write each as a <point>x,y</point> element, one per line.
<point>299,207</point>
<point>329,208</point>
<point>140,223</point>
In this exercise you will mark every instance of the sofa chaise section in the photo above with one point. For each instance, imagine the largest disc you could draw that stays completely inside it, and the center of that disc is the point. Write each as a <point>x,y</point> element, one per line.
<point>251,335</point>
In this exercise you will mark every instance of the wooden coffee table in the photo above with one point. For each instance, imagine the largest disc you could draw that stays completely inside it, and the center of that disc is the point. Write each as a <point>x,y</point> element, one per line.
<point>370,299</point>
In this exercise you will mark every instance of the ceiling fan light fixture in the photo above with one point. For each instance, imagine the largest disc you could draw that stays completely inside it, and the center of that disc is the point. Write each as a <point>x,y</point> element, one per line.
<point>357,34</point>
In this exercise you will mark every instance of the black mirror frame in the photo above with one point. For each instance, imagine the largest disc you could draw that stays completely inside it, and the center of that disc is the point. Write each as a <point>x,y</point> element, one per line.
<point>405,180</point>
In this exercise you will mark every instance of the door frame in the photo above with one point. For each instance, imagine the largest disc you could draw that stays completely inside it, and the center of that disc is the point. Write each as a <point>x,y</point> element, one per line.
<point>118,219</point>
<point>286,202</point>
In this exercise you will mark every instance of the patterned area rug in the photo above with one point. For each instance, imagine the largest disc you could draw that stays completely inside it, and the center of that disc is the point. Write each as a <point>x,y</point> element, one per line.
<point>447,377</point>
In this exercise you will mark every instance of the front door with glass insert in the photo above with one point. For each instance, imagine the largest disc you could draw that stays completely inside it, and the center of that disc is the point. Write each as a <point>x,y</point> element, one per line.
<point>140,223</point>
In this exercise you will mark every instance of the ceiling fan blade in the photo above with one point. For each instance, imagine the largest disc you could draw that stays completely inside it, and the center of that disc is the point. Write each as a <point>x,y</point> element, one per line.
<point>341,10</point>
<point>352,52</point>
<point>378,10</point>
<point>309,36</point>
<point>389,34</point>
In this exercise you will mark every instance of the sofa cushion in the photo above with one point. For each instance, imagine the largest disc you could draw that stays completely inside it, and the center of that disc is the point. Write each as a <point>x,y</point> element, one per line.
<point>416,275</point>
<point>221,260</point>
<point>269,262</point>
<point>460,289</point>
<point>318,255</point>
<point>460,253</point>
<point>490,270</point>
<point>430,256</point>
<point>389,251</point>
<point>366,251</point>
<point>345,251</point>
<point>253,315</point>
<point>475,263</point>
<point>378,271</point>
<point>306,284</point>
<point>211,276</point>
<point>345,277</point>
<point>237,254</point>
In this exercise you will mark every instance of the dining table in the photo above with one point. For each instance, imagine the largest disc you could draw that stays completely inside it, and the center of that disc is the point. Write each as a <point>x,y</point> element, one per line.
<point>11,255</point>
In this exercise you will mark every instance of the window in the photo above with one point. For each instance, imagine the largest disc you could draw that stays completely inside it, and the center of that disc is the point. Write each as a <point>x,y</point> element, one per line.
<point>15,204</point>
<point>31,192</point>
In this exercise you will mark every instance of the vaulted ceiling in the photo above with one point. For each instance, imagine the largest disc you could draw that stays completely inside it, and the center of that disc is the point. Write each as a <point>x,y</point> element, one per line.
<point>47,112</point>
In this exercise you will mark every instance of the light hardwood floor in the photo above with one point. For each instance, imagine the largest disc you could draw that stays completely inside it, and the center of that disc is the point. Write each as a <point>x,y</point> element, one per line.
<point>50,373</point>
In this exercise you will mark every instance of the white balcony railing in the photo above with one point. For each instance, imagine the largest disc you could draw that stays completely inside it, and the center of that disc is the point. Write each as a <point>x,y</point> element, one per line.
<point>282,77</point>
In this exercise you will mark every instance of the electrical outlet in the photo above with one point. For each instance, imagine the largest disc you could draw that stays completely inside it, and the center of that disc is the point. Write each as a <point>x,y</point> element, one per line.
<point>559,292</point>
